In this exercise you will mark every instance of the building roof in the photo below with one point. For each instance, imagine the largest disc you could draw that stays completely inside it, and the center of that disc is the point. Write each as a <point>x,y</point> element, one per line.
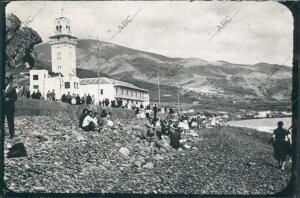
<point>104,80</point>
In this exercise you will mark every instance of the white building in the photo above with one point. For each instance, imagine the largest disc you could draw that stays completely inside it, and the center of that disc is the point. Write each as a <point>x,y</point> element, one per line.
<point>63,79</point>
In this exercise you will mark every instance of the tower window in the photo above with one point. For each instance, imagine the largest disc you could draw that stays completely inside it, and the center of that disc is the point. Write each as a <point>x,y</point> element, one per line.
<point>101,91</point>
<point>35,87</point>
<point>35,77</point>
<point>67,85</point>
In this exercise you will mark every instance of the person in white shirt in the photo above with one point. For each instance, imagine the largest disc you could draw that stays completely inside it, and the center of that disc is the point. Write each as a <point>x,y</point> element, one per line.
<point>89,122</point>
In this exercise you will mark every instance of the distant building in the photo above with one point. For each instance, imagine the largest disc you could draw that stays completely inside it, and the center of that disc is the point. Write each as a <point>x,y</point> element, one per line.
<point>63,78</point>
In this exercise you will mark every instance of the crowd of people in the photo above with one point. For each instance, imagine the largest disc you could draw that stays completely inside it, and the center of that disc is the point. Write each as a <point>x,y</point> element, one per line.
<point>158,130</point>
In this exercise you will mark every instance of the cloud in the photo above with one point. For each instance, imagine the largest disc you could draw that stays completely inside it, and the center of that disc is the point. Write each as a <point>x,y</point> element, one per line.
<point>176,29</point>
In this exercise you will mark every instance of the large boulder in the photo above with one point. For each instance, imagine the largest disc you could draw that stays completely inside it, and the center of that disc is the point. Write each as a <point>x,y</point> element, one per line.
<point>149,165</point>
<point>124,151</point>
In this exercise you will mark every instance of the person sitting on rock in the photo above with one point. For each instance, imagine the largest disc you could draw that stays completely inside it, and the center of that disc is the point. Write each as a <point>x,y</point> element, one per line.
<point>82,116</point>
<point>89,123</point>
<point>109,116</point>
<point>103,114</point>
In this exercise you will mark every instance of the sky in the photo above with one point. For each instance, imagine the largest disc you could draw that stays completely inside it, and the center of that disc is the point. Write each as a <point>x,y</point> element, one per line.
<point>253,32</point>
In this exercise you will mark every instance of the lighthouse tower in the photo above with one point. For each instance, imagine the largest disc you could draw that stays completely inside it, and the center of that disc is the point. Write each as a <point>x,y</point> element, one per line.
<point>63,48</point>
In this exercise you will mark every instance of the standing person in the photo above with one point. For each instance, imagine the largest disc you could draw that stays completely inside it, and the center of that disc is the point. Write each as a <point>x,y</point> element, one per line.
<point>155,111</point>
<point>281,144</point>
<point>27,92</point>
<point>171,111</point>
<point>64,98</point>
<point>68,98</point>
<point>198,119</point>
<point>48,95</point>
<point>38,95</point>
<point>93,99</point>
<point>33,95</point>
<point>77,99</point>
<point>88,99</point>
<point>83,99</point>
<point>53,95</point>
<point>9,99</point>
<point>73,99</point>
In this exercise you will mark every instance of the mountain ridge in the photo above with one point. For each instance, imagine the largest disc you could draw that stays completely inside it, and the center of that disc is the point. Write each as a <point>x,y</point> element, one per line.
<point>195,75</point>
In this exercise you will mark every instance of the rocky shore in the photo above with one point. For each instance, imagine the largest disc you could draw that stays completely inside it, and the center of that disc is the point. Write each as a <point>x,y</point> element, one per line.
<point>63,158</point>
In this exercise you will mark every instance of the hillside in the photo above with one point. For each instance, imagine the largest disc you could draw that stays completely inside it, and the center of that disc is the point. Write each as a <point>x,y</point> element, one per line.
<point>197,77</point>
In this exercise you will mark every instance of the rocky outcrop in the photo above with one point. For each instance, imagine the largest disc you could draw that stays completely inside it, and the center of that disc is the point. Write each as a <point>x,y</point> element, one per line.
<point>19,43</point>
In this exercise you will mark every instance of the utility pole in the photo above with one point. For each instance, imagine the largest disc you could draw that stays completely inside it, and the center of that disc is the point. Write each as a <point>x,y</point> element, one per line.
<point>177,101</point>
<point>98,69</point>
<point>158,87</point>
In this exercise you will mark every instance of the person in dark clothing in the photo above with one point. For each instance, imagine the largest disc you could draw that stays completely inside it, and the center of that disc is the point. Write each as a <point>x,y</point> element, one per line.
<point>85,112</point>
<point>77,99</point>
<point>9,99</point>
<point>137,110</point>
<point>63,98</point>
<point>174,138</point>
<point>33,95</point>
<point>83,100</point>
<point>171,111</point>
<point>53,95</point>
<point>141,106</point>
<point>69,98</point>
<point>88,99</point>
<point>155,111</point>
<point>281,144</point>
<point>103,114</point>
<point>38,95</point>
<point>89,122</point>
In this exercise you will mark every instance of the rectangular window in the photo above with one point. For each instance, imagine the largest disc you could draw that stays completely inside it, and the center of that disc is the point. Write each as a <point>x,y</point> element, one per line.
<point>67,85</point>
<point>101,91</point>
<point>75,85</point>
<point>127,92</point>
<point>35,87</point>
<point>35,77</point>
<point>135,93</point>
<point>122,90</point>
<point>131,93</point>
<point>116,90</point>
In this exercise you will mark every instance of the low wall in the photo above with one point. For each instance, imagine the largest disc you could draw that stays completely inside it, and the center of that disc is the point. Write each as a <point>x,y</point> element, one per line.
<point>31,107</point>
